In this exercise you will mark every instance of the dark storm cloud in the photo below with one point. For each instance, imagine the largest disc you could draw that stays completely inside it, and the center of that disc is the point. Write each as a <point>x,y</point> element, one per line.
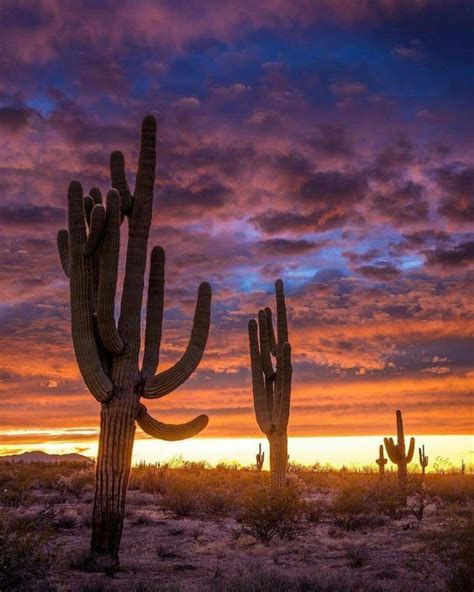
<point>405,204</point>
<point>283,246</point>
<point>380,272</point>
<point>460,254</point>
<point>457,184</point>
<point>31,215</point>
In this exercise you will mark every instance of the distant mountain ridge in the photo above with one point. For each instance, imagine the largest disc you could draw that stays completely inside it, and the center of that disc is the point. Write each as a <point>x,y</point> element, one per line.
<point>40,456</point>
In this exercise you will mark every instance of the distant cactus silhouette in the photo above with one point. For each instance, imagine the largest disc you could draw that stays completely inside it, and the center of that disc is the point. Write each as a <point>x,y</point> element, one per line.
<point>259,458</point>
<point>423,459</point>
<point>463,467</point>
<point>398,455</point>
<point>381,461</point>
<point>272,387</point>
<point>108,353</point>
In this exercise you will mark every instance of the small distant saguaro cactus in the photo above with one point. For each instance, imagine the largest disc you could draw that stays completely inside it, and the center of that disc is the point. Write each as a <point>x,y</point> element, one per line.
<point>272,386</point>
<point>381,461</point>
<point>423,459</point>
<point>398,455</point>
<point>259,458</point>
<point>108,353</point>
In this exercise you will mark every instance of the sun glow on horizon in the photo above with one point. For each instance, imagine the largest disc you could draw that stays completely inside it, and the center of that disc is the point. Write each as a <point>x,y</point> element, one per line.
<point>337,451</point>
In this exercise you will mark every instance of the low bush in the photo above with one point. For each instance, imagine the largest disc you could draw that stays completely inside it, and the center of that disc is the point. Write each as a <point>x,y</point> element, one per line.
<point>267,513</point>
<point>27,551</point>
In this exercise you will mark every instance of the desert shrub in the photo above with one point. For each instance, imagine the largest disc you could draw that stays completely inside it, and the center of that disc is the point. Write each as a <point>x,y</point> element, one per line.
<point>77,482</point>
<point>454,545</point>
<point>267,513</point>
<point>217,502</point>
<point>256,578</point>
<point>358,555</point>
<point>421,499</point>
<point>26,552</point>
<point>452,488</point>
<point>351,506</point>
<point>182,496</point>
<point>149,478</point>
<point>314,511</point>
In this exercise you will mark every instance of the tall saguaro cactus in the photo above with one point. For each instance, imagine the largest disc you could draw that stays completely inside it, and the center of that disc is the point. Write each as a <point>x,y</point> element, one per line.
<point>108,352</point>
<point>272,386</point>
<point>399,456</point>
<point>423,459</point>
<point>381,461</point>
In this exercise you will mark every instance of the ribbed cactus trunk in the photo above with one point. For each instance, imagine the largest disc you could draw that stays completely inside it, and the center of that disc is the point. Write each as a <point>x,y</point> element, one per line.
<point>278,459</point>
<point>398,455</point>
<point>108,354</point>
<point>381,461</point>
<point>272,386</point>
<point>117,432</point>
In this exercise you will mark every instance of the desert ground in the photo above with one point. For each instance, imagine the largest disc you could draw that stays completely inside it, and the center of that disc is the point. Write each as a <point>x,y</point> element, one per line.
<point>192,528</point>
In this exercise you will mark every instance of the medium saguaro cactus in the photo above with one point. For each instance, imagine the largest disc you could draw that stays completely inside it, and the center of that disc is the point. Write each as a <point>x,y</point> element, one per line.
<point>259,458</point>
<point>108,353</point>
<point>272,386</point>
<point>423,459</point>
<point>398,455</point>
<point>381,461</point>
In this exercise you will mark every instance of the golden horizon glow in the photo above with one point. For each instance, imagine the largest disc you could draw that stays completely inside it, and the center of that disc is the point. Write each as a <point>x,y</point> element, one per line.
<point>350,451</point>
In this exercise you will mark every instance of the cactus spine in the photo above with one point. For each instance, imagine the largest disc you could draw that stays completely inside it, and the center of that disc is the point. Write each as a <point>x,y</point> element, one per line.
<point>108,353</point>
<point>398,455</point>
<point>259,458</point>
<point>381,461</point>
<point>423,459</point>
<point>272,386</point>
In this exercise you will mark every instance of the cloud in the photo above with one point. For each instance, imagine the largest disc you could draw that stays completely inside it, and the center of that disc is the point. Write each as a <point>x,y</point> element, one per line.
<point>380,272</point>
<point>457,183</point>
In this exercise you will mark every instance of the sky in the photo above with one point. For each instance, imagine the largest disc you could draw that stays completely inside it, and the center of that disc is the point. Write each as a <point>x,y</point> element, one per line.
<point>328,143</point>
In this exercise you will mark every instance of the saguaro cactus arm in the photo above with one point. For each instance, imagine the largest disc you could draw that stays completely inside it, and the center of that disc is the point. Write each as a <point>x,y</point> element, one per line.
<point>63,248</point>
<point>96,229</point>
<point>392,450</point>
<point>411,450</point>
<point>154,312</point>
<point>138,230</point>
<point>262,411</point>
<point>167,381</point>
<point>287,373</point>
<point>108,332</point>
<point>170,432</point>
<point>81,302</point>
<point>119,181</point>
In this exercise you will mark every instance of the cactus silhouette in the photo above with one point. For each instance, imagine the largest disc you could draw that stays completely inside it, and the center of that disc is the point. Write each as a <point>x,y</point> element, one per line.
<point>398,455</point>
<point>259,458</point>
<point>381,461</point>
<point>108,353</point>
<point>272,386</point>
<point>423,459</point>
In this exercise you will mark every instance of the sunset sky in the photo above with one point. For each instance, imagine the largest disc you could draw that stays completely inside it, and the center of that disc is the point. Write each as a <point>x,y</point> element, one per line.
<point>326,142</point>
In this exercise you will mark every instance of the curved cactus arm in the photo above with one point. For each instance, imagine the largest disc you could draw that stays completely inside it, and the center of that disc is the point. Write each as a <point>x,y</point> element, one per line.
<point>170,432</point>
<point>88,207</point>
<point>400,431</point>
<point>392,450</point>
<point>265,346</point>
<point>96,230</point>
<point>285,398</point>
<point>96,195</point>
<point>167,381</point>
<point>282,323</point>
<point>154,312</point>
<point>138,231</point>
<point>63,249</point>
<point>109,257</point>
<point>271,332</point>
<point>262,412</point>
<point>411,450</point>
<point>81,302</point>
<point>119,181</point>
